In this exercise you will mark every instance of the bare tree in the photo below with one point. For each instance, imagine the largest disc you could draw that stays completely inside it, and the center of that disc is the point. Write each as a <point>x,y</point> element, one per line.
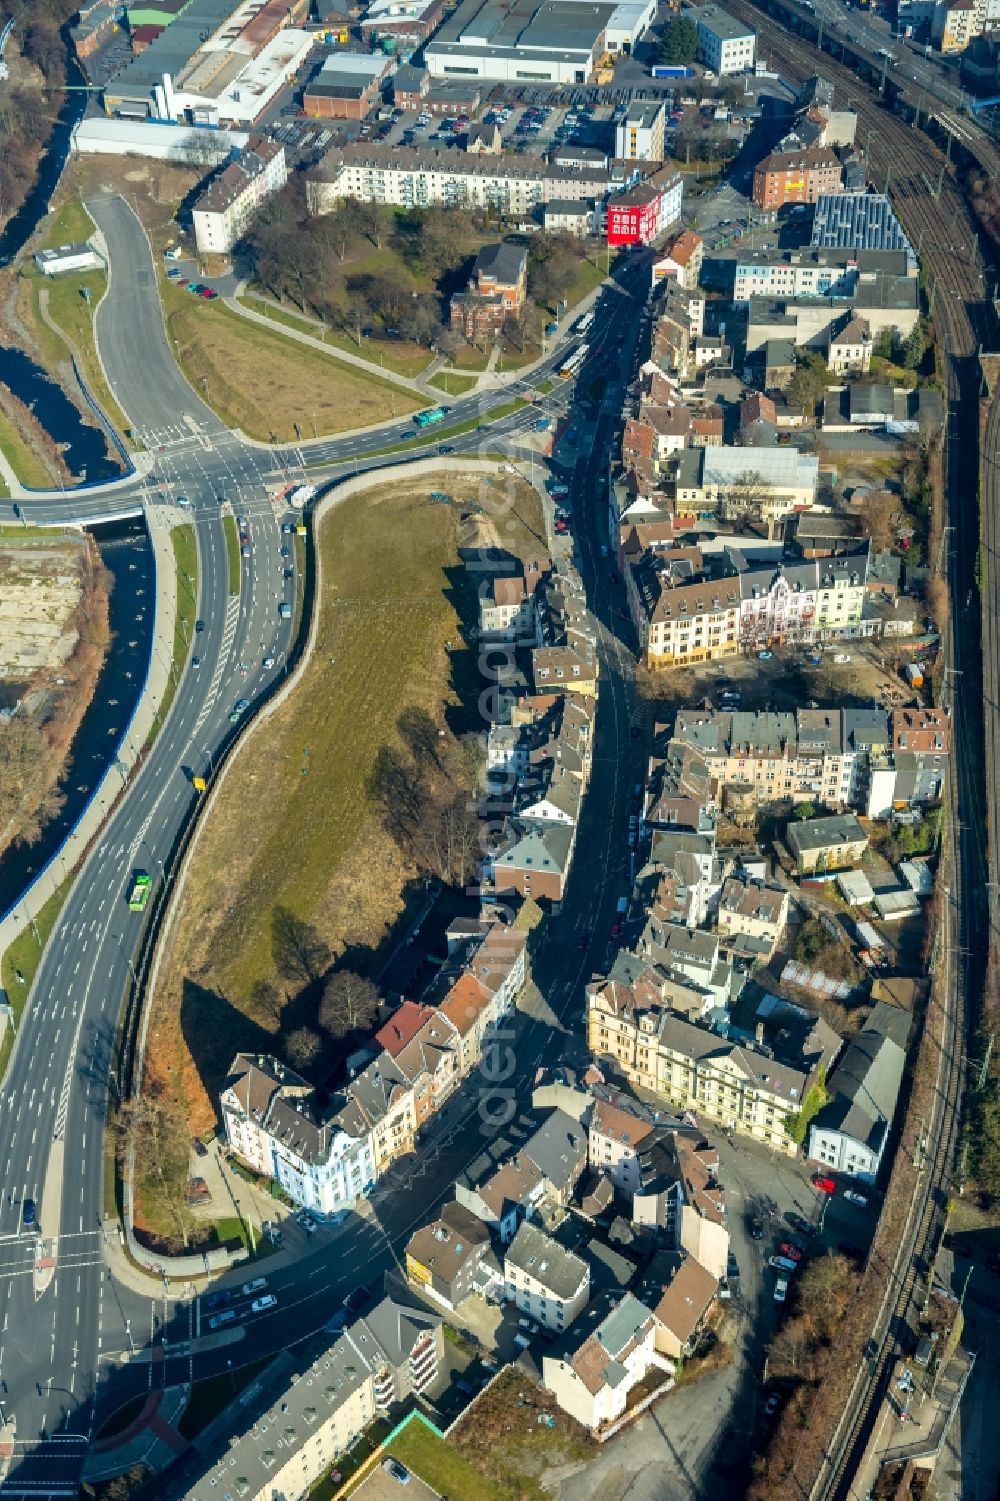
<point>350,1003</point>
<point>154,1131</point>
<point>420,735</point>
<point>303,1048</point>
<point>448,841</point>
<point>396,785</point>
<point>300,954</point>
<point>267,1001</point>
<point>746,497</point>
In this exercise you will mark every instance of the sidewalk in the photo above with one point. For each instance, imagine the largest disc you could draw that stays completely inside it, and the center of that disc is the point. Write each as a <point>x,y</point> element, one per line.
<point>344,356</point>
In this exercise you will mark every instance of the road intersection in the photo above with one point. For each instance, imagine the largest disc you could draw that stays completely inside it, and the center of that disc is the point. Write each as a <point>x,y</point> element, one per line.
<point>71,1355</point>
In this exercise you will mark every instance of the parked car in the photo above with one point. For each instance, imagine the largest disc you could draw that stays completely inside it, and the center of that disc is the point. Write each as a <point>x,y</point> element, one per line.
<point>772,1404</point>
<point>261,1305</point>
<point>853,1197</point>
<point>396,1470</point>
<point>792,1251</point>
<point>799,1224</point>
<point>756,1229</point>
<point>199,1147</point>
<point>781,1290</point>
<point>782,1264</point>
<point>823,1183</point>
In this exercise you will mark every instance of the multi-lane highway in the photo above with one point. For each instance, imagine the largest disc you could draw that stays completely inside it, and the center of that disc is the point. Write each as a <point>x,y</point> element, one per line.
<point>61,1354</point>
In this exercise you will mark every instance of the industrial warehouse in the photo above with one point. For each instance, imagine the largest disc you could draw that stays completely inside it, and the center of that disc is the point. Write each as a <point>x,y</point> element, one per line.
<point>214,64</point>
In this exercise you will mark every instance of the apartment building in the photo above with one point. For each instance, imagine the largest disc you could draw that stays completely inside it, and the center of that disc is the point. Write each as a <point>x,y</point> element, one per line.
<point>685,613</point>
<point>752,915</point>
<point>592,1377</point>
<point>443,1257</point>
<point>954,24</point>
<point>543,1280</point>
<point>327,1161</point>
<point>639,134</point>
<point>814,272</point>
<point>272,1125</point>
<point>795,177</point>
<point>641,213</point>
<point>659,1053</point>
<point>286,1438</point>
<point>725,45</point>
<point>512,187</point>
<point>682,259</point>
<point>226,207</point>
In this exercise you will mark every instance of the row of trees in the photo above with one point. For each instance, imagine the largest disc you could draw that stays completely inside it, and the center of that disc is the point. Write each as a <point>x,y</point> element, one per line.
<point>307,260</point>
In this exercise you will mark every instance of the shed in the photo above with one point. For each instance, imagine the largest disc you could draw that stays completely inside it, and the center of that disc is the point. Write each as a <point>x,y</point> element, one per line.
<point>917,875</point>
<point>893,906</point>
<point>855,888</point>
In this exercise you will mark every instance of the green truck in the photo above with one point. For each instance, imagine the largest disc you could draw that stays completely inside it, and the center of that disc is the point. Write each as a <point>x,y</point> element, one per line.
<point>139,895</point>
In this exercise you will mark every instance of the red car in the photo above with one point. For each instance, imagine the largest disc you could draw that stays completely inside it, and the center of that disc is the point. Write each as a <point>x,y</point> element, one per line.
<point>825,1185</point>
<point>208,292</point>
<point>616,929</point>
<point>792,1252</point>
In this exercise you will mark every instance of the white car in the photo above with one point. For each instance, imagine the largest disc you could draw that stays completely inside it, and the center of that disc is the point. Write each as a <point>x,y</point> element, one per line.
<point>841,658</point>
<point>781,1290</point>
<point>853,1197</point>
<point>261,1305</point>
<point>256,1286</point>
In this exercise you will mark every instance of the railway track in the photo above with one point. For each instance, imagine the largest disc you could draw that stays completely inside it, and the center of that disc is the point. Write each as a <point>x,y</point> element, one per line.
<point>921,182</point>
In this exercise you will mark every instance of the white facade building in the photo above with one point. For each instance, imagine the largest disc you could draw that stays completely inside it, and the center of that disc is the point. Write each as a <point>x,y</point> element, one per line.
<point>544,1280</point>
<point>725,45</point>
<point>267,1111</point>
<point>419,179</point>
<point>228,204</point>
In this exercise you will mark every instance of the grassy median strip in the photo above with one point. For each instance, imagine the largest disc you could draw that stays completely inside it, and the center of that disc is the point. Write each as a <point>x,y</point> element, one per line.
<point>232,552</point>
<point>432,436</point>
<point>23,958</point>
<point>452,383</point>
<point>186,570</point>
<point>270,386</point>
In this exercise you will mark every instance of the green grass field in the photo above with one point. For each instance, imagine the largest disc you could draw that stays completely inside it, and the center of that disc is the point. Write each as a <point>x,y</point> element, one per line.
<point>454,384</point>
<point>403,358</point>
<point>442,1468</point>
<point>322,854</point>
<point>258,380</point>
<point>232,552</point>
<point>70,309</point>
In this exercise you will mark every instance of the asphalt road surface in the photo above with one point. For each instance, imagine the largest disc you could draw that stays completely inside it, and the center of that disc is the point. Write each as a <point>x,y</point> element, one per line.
<point>86,1344</point>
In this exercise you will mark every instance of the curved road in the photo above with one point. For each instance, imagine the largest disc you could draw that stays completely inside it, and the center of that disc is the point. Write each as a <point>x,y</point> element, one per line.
<point>64,1358</point>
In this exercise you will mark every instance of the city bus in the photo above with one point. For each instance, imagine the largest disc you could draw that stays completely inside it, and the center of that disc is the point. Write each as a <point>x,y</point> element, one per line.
<point>583,325</point>
<point>572,363</point>
<point>436,414</point>
<point>139,895</point>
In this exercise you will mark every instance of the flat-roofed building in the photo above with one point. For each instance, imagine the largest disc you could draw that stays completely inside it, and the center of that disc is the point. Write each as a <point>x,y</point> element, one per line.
<point>535,41</point>
<point>639,136</point>
<point>725,45</point>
